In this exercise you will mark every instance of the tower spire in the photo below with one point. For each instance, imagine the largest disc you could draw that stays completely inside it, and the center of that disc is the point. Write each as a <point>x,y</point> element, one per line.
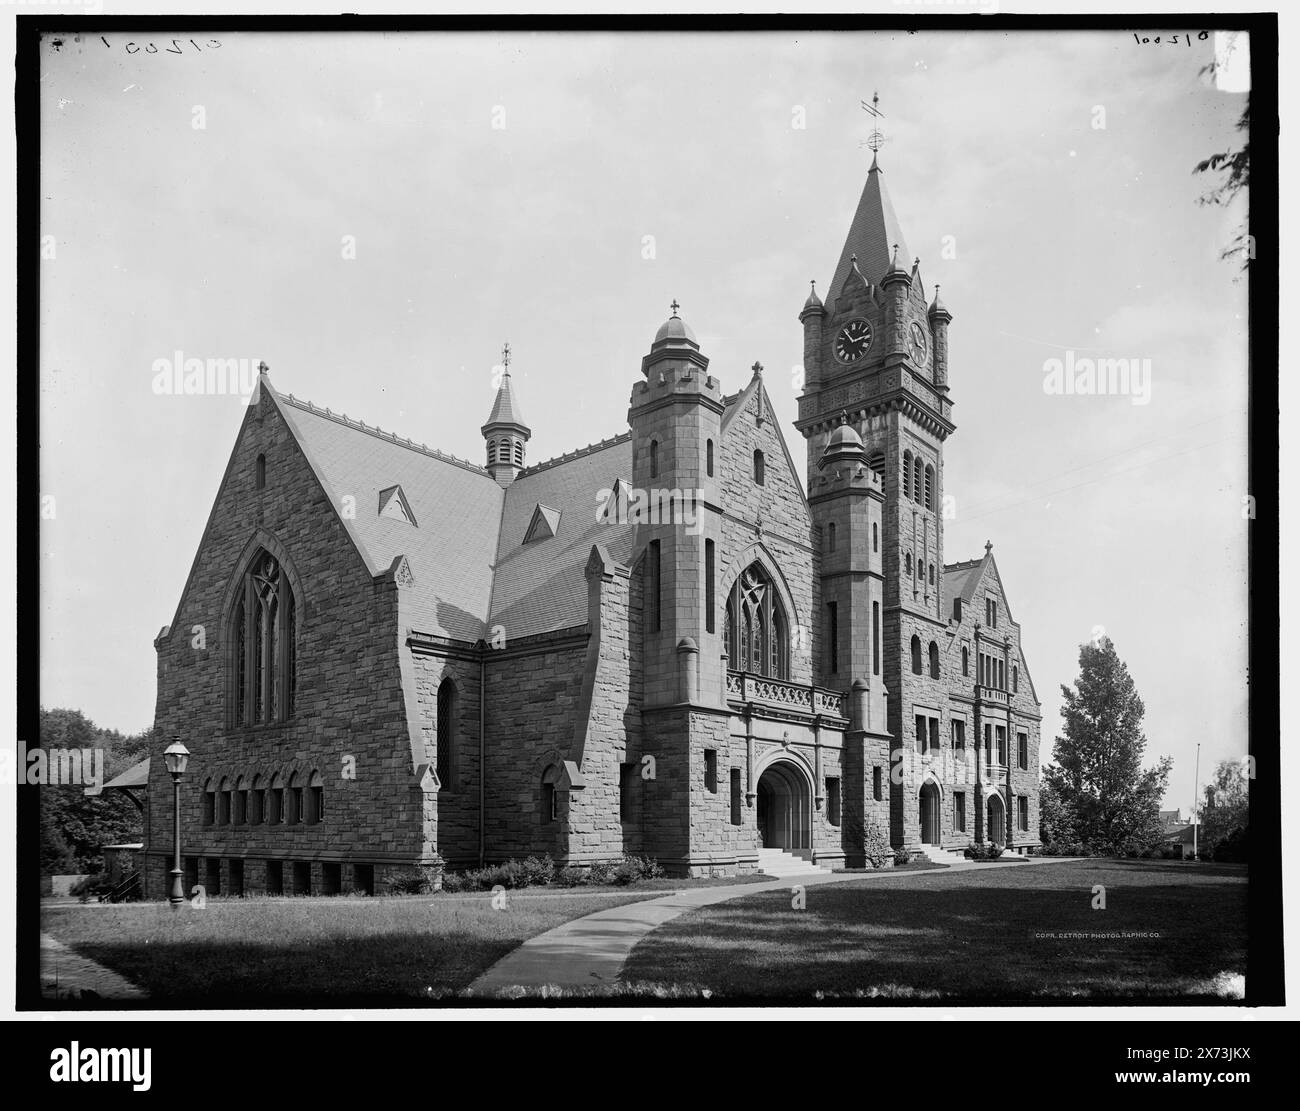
<point>875,229</point>
<point>505,432</point>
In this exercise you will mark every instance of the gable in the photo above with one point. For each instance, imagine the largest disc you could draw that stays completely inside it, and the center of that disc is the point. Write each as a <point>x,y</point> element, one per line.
<point>750,424</point>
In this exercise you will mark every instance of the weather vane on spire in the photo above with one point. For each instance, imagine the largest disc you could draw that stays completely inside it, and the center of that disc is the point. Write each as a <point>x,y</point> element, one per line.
<point>505,357</point>
<point>876,139</point>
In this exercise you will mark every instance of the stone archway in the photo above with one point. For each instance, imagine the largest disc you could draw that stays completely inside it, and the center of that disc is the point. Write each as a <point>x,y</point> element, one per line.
<point>930,805</point>
<point>785,810</point>
<point>997,820</point>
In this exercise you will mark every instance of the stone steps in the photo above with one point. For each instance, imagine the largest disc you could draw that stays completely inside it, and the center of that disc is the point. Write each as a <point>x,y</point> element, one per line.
<point>779,863</point>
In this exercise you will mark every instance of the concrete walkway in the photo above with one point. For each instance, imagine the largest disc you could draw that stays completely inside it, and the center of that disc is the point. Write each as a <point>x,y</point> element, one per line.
<point>589,953</point>
<point>65,975</point>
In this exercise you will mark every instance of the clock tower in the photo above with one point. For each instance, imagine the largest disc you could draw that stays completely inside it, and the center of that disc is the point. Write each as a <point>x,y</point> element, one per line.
<point>875,362</point>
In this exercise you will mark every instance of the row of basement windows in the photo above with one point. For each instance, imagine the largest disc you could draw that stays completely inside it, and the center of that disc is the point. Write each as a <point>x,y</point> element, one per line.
<point>296,880</point>
<point>297,802</point>
<point>927,740</point>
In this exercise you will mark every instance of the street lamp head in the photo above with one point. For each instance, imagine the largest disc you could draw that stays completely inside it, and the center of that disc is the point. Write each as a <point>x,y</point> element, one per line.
<point>177,756</point>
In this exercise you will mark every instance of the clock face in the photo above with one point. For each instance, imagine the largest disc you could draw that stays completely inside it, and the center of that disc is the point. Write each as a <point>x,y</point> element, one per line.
<point>853,341</point>
<point>918,341</point>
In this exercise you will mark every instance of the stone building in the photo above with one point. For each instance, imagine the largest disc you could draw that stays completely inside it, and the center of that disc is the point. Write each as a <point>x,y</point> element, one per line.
<point>385,658</point>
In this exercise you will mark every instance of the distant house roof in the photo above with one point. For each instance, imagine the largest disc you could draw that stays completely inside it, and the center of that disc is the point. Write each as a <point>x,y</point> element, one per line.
<point>1183,835</point>
<point>137,775</point>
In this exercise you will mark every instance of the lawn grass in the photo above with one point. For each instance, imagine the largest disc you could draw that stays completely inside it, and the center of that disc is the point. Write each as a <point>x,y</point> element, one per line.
<point>323,952</point>
<point>991,935</point>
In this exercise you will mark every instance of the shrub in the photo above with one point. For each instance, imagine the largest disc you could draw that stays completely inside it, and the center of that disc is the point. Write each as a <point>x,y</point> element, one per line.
<point>453,882</point>
<point>600,872</point>
<point>538,871</point>
<point>876,845</point>
<point>634,869</point>
<point>409,885</point>
<point>902,857</point>
<point>569,876</point>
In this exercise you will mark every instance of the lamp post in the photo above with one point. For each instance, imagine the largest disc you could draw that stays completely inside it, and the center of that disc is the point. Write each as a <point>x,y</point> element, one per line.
<point>176,756</point>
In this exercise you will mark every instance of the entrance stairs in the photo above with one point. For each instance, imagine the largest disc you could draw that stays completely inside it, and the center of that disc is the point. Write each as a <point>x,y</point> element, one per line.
<point>936,855</point>
<point>779,863</point>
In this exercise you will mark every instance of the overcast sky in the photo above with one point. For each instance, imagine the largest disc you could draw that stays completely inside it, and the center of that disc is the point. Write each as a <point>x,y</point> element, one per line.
<point>230,240</point>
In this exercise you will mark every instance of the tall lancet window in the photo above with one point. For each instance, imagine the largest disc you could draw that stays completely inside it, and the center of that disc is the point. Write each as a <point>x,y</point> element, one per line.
<point>756,626</point>
<point>264,634</point>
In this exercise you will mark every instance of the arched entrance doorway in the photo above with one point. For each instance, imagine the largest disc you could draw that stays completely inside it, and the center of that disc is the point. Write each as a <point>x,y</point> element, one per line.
<point>785,810</point>
<point>997,823</point>
<point>929,813</point>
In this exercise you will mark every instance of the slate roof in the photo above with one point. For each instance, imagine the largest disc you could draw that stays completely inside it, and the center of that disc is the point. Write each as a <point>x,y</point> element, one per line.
<point>457,504</point>
<point>471,567</point>
<point>872,235</point>
<point>541,586</point>
<point>962,578</point>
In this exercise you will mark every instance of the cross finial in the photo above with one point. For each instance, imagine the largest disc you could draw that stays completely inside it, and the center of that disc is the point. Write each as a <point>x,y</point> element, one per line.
<point>844,416</point>
<point>674,306</point>
<point>758,370</point>
<point>262,368</point>
<point>505,357</point>
<point>988,546</point>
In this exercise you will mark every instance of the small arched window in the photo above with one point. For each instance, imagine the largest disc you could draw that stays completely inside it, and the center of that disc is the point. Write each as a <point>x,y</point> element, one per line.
<point>550,804</point>
<point>259,472</point>
<point>907,562</point>
<point>934,660</point>
<point>315,799</point>
<point>916,655</point>
<point>965,660</point>
<point>929,486</point>
<point>240,815</point>
<point>223,803</point>
<point>708,458</point>
<point>830,536</point>
<point>446,733</point>
<point>654,458</point>
<point>907,474</point>
<point>295,801</point>
<point>759,468</point>
<point>257,802</point>
<point>275,801</point>
<point>932,574</point>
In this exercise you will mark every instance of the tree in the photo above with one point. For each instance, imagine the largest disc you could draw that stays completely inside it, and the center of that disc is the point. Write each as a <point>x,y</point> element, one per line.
<point>1235,165</point>
<point>1225,812</point>
<point>74,826</point>
<point>1098,780</point>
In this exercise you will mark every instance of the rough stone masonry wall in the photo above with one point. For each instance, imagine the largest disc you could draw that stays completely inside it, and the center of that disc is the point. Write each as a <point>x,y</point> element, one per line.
<point>458,799</point>
<point>348,700</point>
<point>534,690</point>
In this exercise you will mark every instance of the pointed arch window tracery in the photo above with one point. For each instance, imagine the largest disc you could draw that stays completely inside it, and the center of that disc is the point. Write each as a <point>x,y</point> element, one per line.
<point>264,634</point>
<point>756,626</point>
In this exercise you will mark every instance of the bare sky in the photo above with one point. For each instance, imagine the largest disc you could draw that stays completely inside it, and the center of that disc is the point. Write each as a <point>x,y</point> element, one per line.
<point>231,240</point>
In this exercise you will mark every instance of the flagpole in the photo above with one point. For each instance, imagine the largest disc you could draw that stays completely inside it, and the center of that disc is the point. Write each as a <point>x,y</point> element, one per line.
<point>1196,803</point>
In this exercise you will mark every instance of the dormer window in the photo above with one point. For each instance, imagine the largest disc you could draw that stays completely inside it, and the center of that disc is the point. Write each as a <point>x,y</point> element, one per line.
<point>545,523</point>
<point>393,505</point>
